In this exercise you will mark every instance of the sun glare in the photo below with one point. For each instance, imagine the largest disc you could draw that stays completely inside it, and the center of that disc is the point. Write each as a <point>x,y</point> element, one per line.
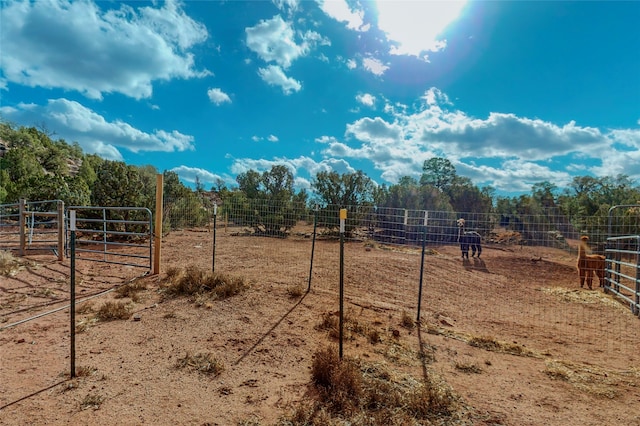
<point>416,25</point>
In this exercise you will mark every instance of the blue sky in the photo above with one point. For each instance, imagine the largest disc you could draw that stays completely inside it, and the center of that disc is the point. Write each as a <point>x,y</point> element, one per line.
<point>511,92</point>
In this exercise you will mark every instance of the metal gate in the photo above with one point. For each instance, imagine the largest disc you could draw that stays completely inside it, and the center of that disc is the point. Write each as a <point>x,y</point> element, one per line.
<point>119,235</point>
<point>623,255</point>
<point>32,226</point>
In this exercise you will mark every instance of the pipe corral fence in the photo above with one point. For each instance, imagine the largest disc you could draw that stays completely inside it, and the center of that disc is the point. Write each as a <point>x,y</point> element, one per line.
<point>623,257</point>
<point>119,235</point>
<point>32,226</point>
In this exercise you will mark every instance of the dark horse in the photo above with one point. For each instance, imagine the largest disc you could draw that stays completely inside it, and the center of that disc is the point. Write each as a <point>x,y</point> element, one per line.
<point>468,239</point>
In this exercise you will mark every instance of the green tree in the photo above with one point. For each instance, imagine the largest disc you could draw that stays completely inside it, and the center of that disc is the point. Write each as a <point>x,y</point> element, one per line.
<point>250,184</point>
<point>117,184</point>
<point>148,177</point>
<point>173,189</point>
<point>182,207</point>
<point>352,191</point>
<point>544,194</point>
<point>466,197</point>
<point>264,201</point>
<point>24,171</point>
<point>278,183</point>
<point>439,173</point>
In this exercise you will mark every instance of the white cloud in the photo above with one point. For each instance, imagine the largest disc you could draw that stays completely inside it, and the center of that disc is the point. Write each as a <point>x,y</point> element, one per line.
<point>351,64</point>
<point>341,11</point>
<point>291,5</point>
<point>374,129</point>
<point>504,135</point>
<point>270,138</point>
<point>374,66</point>
<point>217,96</point>
<point>619,163</point>
<point>516,175</point>
<point>326,139</point>
<point>507,151</point>
<point>415,27</point>
<point>75,122</point>
<point>629,138</point>
<point>189,174</point>
<point>78,46</point>
<point>434,96</point>
<point>366,99</point>
<point>274,76</point>
<point>299,166</point>
<point>273,40</point>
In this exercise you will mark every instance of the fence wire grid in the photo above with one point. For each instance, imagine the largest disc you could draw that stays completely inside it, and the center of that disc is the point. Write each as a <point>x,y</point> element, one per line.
<point>515,283</point>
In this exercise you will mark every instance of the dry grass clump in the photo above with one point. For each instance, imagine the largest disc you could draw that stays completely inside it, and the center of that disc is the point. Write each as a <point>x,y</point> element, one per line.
<point>483,342</point>
<point>351,326</point>
<point>85,324</point>
<point>85,371</point>
<point>356,393</point>
<point>131,290</point>
<point>467,367</point>
<point>584,297</point>
<point>111,311</point>
<point>490,344</point>
<point>587,378</point>
<point>84,307</point>
<point>374,336</point>
<point>204,363</point>
<point>295,291</point>
<point>407,320</point>
<point>91,400</point>
<point>199,284</point>
<point>9,265</point>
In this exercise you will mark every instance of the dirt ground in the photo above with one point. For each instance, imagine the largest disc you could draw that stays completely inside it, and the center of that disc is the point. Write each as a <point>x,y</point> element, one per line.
<point>574,357</point>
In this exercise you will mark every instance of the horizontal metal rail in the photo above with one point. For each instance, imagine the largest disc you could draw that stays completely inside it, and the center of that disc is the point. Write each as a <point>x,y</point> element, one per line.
<point>624,283</point>
<point>28,226</point>
<point>122,241</point>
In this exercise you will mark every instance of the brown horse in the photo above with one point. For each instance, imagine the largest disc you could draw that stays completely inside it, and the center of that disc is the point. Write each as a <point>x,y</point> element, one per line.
<point>588,264</point>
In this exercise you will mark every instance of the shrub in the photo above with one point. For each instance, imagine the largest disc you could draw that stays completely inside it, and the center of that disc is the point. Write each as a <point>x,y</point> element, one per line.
<point>204,363</point>
<point>195,282</point>
<point>113,311</point>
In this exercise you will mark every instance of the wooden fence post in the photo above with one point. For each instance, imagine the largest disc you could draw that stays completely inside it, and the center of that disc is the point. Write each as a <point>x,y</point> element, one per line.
<point>157,238</point>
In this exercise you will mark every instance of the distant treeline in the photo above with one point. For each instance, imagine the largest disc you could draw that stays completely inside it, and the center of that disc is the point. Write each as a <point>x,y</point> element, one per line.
<point>35,167</point>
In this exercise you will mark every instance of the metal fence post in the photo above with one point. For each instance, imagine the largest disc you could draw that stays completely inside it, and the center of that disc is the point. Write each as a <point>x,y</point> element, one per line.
<point>424,243</point>
<point>215,215</point>
<point>72,302</point>
<point>343,217</point>
<point>313,245</point>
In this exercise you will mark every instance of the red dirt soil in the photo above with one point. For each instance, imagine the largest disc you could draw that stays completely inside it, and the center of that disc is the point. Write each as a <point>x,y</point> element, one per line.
<point>583,368</point>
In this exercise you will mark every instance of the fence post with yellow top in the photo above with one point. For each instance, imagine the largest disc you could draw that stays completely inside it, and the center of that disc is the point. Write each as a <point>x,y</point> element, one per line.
<point>343,218</point>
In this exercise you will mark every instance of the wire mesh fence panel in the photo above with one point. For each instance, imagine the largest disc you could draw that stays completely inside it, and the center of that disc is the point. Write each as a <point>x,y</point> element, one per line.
<point>624,220</point>
<point>525,284</point>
